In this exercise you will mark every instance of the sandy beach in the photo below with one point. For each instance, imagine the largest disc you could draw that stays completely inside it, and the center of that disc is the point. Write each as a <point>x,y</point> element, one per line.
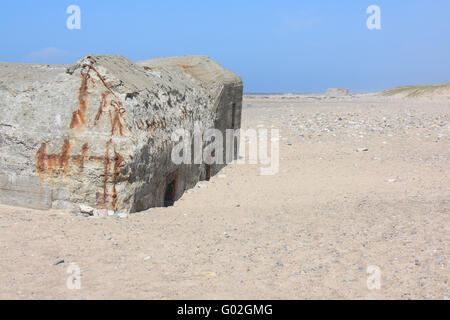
<point>363,181</point>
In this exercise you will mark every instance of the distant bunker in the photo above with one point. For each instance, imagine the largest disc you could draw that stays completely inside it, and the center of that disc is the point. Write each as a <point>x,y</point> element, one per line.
<point>337,92</point>
<point>98,133</point>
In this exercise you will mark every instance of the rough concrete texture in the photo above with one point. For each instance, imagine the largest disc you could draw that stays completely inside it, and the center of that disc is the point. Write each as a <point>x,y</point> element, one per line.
<point>337,92</point>
<point>99,132</point>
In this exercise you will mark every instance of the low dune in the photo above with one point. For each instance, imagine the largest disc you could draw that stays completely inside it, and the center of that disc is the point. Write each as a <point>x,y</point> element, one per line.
<point>424,91</point>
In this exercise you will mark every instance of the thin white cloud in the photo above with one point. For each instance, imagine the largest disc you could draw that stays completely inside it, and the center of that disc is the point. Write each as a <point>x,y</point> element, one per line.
<point>48,56</point>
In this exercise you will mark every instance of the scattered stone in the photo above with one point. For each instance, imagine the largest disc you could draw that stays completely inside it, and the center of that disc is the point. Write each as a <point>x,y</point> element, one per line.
<point>202,186</point>
<point>122,215</point>
<point>362,149</point>
<point>59,262</point>
<point>100,213</point>
<point>392,180</point>
<point>147,258</point>
<point>86,209</point>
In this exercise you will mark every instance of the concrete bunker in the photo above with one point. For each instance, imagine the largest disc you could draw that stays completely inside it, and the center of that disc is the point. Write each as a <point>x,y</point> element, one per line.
<point>98,132</point>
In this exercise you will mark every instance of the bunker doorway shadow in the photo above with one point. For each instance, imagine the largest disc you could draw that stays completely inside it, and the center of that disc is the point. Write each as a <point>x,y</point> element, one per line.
<point>209,172</point>
<point>170,192</point>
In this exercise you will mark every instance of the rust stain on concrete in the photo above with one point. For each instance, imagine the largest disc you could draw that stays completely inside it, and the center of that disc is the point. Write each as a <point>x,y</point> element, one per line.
<point>50,163</point>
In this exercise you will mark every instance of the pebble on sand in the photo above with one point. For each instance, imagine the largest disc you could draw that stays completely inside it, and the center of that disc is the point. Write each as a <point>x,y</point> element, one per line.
<point>86,209</point>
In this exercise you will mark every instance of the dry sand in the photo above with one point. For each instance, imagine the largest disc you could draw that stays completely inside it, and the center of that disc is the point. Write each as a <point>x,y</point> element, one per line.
<point>309,232</point>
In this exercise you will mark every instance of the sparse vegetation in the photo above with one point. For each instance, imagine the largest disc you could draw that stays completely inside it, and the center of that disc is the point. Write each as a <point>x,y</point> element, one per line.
<point>418,91</point>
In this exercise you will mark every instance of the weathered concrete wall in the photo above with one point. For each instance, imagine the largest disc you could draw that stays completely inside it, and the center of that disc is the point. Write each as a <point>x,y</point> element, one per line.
<point>224,87</point>
<point>99,132</point>
<point>337,92</point>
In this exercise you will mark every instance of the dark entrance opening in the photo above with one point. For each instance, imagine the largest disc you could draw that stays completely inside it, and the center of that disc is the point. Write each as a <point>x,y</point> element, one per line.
<point>170,192</point>
<point>209,172</point>
<point>209,167</point>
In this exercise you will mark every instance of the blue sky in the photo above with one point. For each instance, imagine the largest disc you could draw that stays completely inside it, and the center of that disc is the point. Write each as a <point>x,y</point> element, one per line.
<point>276,46</point>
